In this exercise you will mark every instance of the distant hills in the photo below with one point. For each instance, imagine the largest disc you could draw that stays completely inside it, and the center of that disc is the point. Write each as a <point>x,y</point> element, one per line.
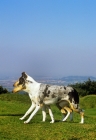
<point>7,82</point>
<point>75,79</point>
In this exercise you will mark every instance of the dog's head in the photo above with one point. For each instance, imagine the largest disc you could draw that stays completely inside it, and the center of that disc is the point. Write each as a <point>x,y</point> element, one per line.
<point>20,84</point>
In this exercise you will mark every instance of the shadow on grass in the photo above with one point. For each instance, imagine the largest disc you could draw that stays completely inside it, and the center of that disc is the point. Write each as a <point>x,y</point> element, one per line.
<point>74,139</point>
<point>11,114</point>
<point>65,121</point>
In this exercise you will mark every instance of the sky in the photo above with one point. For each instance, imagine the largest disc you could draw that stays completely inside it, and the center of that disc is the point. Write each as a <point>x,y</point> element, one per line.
<point>53,38</point>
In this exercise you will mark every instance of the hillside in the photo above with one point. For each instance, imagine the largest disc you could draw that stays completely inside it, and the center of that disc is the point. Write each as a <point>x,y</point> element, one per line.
<point>88,102</point>
<point>13,106</point>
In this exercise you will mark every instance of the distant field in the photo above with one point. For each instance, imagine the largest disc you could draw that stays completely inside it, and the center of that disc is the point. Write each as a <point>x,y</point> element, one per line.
<point>13,106</point>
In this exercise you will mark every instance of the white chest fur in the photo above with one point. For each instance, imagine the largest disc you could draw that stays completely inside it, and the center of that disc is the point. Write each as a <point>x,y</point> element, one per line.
<point>33,91</point>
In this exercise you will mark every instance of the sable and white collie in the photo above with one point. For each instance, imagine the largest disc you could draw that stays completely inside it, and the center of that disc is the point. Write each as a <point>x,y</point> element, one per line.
<point>66,98</point>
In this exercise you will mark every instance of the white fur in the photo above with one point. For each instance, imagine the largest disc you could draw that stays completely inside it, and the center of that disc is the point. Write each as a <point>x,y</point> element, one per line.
<point>33,90</point>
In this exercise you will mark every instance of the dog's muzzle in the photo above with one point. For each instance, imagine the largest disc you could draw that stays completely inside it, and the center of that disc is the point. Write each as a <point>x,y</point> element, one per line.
<point>18,88</point>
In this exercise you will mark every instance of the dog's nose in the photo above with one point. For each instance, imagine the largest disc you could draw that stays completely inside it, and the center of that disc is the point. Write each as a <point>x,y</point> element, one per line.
<point>14,84</point>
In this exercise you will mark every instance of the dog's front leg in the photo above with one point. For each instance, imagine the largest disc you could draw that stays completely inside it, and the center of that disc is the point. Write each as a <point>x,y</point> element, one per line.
<point>51,114</point>
<point>29,111</point>
<point>33,113</point>
<point>44,113</point>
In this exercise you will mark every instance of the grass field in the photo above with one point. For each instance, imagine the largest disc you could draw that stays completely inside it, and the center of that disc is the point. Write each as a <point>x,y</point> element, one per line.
<point>13,106</point>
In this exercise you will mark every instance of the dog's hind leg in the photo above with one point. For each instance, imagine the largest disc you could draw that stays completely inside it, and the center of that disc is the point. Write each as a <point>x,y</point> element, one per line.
<point>78,110</point>
<point>68,113</point>
<point>81,114</point>
<point>29,111</point>
<point>71,116</point>
<point>82,117</point>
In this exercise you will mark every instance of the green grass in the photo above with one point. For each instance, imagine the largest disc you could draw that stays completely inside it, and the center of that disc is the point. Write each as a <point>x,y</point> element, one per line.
<point>89,101</point>
<point>13,106</point>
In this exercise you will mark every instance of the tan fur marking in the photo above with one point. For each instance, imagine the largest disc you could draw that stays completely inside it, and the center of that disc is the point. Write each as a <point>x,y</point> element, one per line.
<point>76,110</point>
<point>63,111</point>
<point>41,105</point>
<point>18,88</point>
<point>68,109</point>
<point>82,114</point>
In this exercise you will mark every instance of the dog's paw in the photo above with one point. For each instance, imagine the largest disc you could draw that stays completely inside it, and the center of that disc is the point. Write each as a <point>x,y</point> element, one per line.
<point>52,122</point>
<point>64,120</point>
<point>21,118</point>
<point>25,122</point>
<point>42,121</point>
<point>81,122</point>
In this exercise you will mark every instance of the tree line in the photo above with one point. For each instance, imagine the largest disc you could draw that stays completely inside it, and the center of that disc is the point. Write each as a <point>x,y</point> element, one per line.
<point>86,88</point>
<point>3,90</point>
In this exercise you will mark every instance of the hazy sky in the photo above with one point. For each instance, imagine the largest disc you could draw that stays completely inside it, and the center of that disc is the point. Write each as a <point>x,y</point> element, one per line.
<point>48,37</point>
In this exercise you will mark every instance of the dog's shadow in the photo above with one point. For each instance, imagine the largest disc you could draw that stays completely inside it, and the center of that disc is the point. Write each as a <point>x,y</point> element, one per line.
<point>56,121</point>
<point>11,114</point>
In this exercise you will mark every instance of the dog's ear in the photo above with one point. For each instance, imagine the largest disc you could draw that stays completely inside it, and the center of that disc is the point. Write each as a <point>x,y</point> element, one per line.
<point>24,75</point>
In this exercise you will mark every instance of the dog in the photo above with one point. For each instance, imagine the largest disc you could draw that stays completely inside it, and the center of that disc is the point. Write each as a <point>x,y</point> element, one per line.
<point>43,95</point>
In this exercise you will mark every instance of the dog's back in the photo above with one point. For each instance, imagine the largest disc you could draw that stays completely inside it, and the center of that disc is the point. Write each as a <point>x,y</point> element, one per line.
<point>56,93</point>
